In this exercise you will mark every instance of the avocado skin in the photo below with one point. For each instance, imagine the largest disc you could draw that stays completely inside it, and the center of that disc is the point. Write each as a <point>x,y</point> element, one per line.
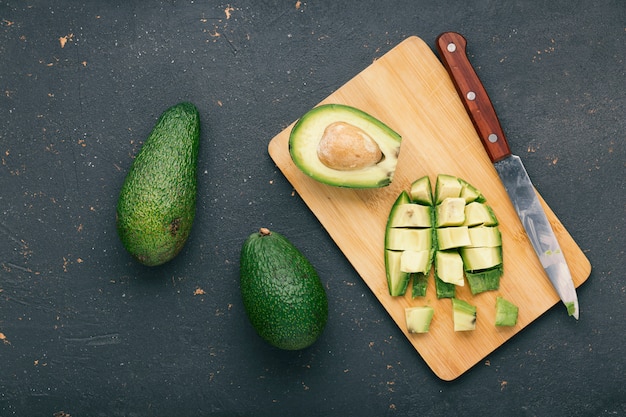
<point>157,202</point>
<point>282,294</point>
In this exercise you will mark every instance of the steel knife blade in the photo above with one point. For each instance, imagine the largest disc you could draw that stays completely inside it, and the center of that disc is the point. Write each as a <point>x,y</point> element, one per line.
<point>452,50</point>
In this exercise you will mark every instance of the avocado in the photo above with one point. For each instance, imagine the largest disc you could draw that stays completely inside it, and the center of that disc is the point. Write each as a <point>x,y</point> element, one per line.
<point>282,294</point>
<point>506,312</point>
<point>343,146</point>
<point>463,315</point>
<point>157,202</point>
<point>418,318</point>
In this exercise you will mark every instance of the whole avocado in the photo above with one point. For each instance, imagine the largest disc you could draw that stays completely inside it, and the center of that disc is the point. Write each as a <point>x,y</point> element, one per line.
<point>157,202</point>
<point>281,291</point>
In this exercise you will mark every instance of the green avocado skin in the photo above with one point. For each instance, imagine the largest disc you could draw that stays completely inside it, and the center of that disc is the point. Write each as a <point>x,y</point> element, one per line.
<point>281,291</point>
<point>157,202</point>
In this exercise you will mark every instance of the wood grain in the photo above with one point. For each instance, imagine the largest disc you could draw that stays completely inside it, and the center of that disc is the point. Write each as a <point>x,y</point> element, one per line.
<point>409,89</point>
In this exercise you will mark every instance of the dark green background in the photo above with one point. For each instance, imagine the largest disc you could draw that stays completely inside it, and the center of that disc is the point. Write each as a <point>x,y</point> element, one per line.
<point>89,332</point>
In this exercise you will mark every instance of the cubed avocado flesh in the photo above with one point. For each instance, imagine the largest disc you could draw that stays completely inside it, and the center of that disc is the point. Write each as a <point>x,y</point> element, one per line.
<point>412,215</point>
<point>449,267</point>
<point>464,239</point>
<point>453,237</point>
<point>470,193</point>
<point>506,312</point>
<point>464,315</point>
<point>343,146</point>
<point>418,319</point>
<point>409,239</point>
<point>451,212</point>
<point>479,214</point>
<point>478,259</point>
<point>484,236</point>
<point>447,186</point>
<point>421,191</point>
<point>417,261</point>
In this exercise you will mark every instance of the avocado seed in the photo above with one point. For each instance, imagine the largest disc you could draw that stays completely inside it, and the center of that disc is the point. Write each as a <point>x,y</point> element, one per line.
<point>345,147</point>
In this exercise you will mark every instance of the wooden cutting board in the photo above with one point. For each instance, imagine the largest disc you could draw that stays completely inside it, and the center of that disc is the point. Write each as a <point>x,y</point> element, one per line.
<point>409,89</point>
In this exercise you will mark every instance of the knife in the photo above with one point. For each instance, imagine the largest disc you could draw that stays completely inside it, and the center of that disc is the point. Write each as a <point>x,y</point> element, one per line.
<point>452,49</point>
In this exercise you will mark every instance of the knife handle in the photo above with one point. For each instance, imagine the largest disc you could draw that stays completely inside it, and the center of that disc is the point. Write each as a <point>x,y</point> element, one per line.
<point>451,47</point>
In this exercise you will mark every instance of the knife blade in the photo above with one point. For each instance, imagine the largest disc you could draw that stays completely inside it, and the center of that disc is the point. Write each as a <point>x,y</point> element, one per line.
<point>452,50</point>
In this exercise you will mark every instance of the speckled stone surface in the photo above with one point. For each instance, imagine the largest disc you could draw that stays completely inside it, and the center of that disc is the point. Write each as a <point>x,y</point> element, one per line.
<point>87,331</point>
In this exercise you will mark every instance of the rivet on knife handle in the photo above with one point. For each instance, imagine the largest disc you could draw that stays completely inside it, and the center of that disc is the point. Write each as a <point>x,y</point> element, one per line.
<point>451,47</point>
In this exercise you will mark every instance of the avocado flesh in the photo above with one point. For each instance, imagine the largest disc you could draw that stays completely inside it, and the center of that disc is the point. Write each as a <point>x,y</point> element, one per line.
<point>282,294</point>
<point>157,202</point>
<point>464,315</point>
<point>421,191</point>
<point>412,215</point>
<point>449,267</point>
<point>451,212</point>
<point>447,186</point>
<point>418,319</point>
<point>506,312</point>
<point>307,133</point>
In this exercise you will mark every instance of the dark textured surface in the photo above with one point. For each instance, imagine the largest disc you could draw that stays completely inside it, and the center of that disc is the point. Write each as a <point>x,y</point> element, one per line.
<point>87,331</point>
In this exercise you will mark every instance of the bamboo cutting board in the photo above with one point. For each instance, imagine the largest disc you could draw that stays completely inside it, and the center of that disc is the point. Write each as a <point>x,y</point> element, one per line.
<point>409,90</point>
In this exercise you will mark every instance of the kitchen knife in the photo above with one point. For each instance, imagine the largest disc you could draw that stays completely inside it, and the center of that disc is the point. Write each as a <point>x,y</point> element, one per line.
<point>452,50</point>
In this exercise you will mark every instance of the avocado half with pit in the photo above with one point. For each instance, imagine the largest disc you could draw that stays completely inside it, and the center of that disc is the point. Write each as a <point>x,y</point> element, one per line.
<point>343,146</point>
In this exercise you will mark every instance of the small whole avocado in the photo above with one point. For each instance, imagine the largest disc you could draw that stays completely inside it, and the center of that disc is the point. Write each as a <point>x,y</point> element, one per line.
<point>282,294</point>
<point>343,146</point>
<point>157,202</point>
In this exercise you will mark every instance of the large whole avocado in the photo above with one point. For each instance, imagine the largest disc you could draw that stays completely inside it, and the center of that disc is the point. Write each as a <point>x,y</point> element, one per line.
<point>157,202</point>
<point>281,291</point>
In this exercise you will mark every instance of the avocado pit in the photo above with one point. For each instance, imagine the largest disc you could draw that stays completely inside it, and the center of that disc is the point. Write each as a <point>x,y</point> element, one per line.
<point>345,147</point>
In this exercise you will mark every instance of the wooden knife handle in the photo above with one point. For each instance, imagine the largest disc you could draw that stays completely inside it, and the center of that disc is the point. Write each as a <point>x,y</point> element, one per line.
<point>451,47</point>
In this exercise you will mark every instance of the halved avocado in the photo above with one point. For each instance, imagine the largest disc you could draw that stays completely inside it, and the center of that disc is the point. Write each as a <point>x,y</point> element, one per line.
<point>343,146</point>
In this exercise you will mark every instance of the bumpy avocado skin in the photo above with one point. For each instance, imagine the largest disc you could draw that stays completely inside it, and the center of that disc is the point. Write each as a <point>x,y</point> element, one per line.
<point>157,202</point>
<point>281,292</point>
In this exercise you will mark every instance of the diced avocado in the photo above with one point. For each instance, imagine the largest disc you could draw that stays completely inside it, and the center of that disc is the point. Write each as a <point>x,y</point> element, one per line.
<point>451,212</point>
<point>485,280</point>
<point>409,250</point>
<point>408,239</point>
<point>412,242</point>
<point>415,261</point>
<point>397,280</point>
<point>477,214</point>
<point>506,312</point>
<point>453,237</point>
<point>418,319</point>
<point>484,236</point>
<point>449,267</point>
<point>421,191</point>
<point>343,146</point>
<point>464,315</point>
<point>446,186</point>
<point>470,193</point>
<point>477,259</point>
<point>411,215</point>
